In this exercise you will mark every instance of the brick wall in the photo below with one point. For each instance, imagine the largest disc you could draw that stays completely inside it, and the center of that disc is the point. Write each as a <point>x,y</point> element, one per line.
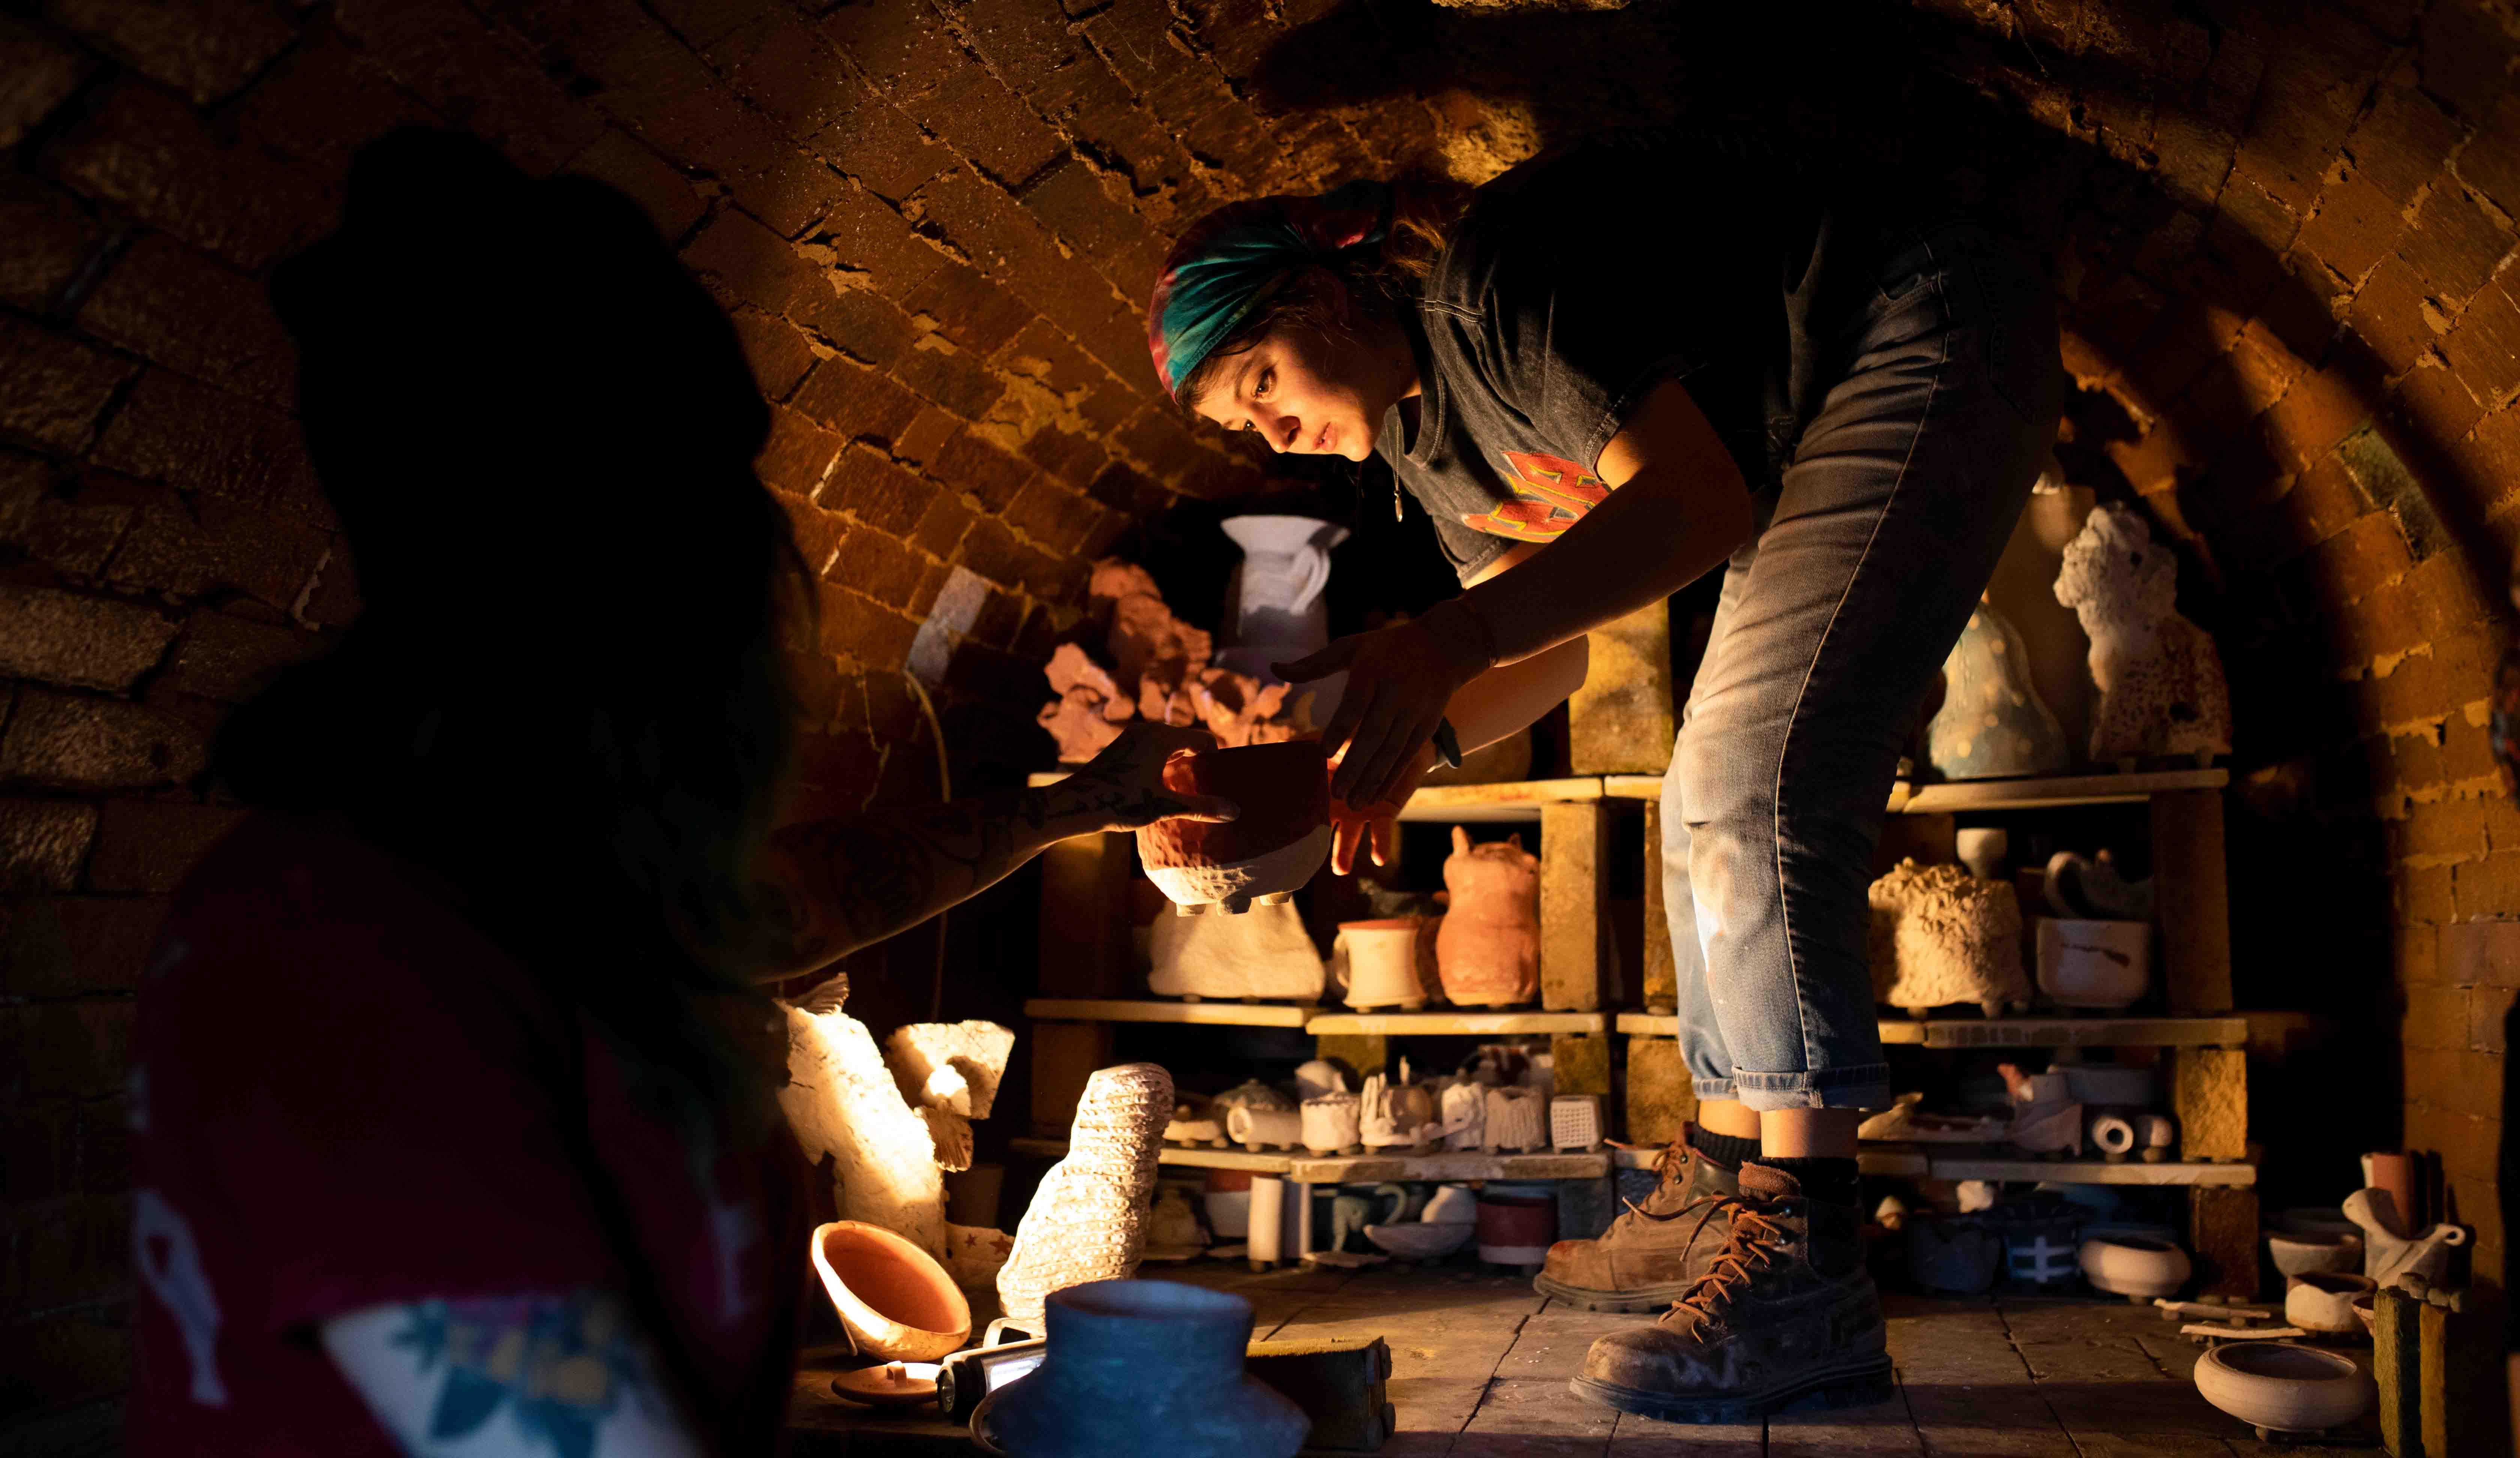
<point>932,227</point>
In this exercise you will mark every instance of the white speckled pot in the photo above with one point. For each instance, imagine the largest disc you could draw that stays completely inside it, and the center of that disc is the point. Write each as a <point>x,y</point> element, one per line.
<point>2283,1387</point>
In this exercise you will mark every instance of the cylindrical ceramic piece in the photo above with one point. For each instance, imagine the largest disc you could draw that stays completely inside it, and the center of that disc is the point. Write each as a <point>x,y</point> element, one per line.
<point>2134,1265</point>
<point>1143,1367</point>
<point>1227,1200</point>
<point>1378,960</point>
<point>1983,850</point>
<point>1516,1229</point>
<point>2282,1386</point>
<point>1330,1124</point>
<point>2112,1134</point>
<point>1268,1228</point>
<point>2323,1301</point>
<point>1263,1128</point>
<point>1270,850</point>
<point>896,1301</point>
<point>2098,964</point>
<point>1316,1077</point>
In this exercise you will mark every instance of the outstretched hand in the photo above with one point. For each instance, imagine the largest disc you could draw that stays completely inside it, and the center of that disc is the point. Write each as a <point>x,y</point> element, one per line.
<point>1123,787</point>
<point>1399,679</point>
<point>1371,827</point>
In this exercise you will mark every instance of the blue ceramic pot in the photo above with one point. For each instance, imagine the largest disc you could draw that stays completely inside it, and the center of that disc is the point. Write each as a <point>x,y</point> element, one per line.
<point>1143,1367</point>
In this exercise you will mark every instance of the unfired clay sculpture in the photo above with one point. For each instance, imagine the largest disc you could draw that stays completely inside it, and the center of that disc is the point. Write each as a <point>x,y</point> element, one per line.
<point>2161,684</point>
<point>2136,1267</point>
<point>1330,1124</point>
<point>2388,1250</point>
<point>2323,1301</point>
<point>1173,1231</point>
<point>1488,949</point>
<point>1264,955</point>
<point>1264,855</point>
<point>1465,1115</point>
<point>1251,1093</point>
<point>1085,1222</point>
<point>1575,1122</point>
<point>1279,612</point>
<point>2102,966</point>
<point>949,1071</point>
<point>1257,1129</point>
<point>1517,1119</point>
<point>844,1103</point>
<point>1377,963</point>
<point>1396,1115</point>
<point>1992,722</point>
<point>1941,935</point>
<point>1193,1122</point>
<point>1318,1076</point>
<point>2280,1387</point>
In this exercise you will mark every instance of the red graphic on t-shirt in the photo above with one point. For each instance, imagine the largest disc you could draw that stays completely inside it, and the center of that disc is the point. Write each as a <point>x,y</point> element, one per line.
<point>1550,495</point>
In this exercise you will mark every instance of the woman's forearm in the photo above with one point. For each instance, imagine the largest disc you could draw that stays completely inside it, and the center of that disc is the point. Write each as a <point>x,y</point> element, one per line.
<point>1651,537</point>
<point>1504,700</point>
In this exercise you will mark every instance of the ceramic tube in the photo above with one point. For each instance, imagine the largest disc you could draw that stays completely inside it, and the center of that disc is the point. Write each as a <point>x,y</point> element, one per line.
<point>2112,1133</point>
<point>1254,1128</point>
<point>1268,1217</point>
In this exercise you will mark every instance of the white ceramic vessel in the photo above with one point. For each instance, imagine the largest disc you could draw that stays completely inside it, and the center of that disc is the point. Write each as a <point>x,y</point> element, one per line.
<point>1417,1240</point>
<point>1377,962</point>
<point>2102,966</point>
<point>2283,1387</point>
<point>2307,1254</point>
<point>1330,1124</point>
<point>1263,1128</point>
<point>2323,1301</point>
<point>2134,1266</point>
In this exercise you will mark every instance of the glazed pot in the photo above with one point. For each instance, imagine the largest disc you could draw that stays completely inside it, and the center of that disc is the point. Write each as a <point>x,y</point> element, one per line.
<point>2087,964</point>
<point>896,1301</point>
<point>2283,1387</point>
<point>2323,1301</point>
<point>1274,846</point>
<point>2134,1266</point>
<point>1143,1367</point>
<point>1377,962</point>
<point>1516,1229</point>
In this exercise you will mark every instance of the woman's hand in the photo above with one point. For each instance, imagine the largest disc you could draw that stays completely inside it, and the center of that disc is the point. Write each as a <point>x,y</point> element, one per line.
<point>1399,679</point>
<point>1371,827</point>
<point>1123,787</point>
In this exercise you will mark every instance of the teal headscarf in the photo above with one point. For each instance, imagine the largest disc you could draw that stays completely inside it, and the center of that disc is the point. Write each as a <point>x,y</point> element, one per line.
<point>1239,255</point>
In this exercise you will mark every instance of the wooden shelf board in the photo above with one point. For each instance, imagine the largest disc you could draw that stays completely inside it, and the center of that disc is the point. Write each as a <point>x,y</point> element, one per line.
<point>1458,1023</point>
<point>1911,798</point>
<point>1911,1162</point>
<point>1159,1010</point>
<point>2055,1032</point>
<point>1514,801</point>
<point>1176,1155</point>
<point>1337,1169</point>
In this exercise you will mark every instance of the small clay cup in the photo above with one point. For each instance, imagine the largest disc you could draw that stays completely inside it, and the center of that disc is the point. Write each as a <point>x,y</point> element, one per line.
<point>896,1301</point>
<point>1268,852</point>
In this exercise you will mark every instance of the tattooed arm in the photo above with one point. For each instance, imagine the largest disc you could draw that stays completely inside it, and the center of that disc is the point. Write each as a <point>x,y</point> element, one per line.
<point>523,1376</point>
<point>836,886</point>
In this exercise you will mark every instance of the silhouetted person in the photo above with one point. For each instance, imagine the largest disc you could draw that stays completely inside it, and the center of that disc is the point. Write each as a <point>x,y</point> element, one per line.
<point>457,1118</point>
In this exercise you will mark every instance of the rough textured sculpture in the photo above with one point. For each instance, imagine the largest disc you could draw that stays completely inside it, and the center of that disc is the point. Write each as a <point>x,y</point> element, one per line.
<point>1517,1119</point>
<point>951,1065</point>
<point>843,1102</point>
<point>1085,1222</point>
<point>1330,1124</point>
<point>2161,684</point>
<point>1941,935</point>
<point>1265,955</point>
<point>1262,855</point>
<point>1158,669</point>
<point>1992,721</point>
<point>1487,952</point>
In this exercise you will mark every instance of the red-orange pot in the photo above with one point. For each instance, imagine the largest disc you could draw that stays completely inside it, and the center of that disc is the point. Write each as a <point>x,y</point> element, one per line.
<point>1280,840</point>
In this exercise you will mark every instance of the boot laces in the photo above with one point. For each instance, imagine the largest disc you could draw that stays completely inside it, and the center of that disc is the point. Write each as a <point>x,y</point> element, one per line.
<point>1667,1163</point>
<point>1754,1245</point>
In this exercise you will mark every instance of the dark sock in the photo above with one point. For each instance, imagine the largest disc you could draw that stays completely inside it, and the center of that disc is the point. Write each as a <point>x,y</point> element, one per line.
<point>1830,1180</point>
<point>1727,1150</point>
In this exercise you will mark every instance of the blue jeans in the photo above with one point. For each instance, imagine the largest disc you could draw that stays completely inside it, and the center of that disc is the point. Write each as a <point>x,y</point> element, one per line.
<point>1834,619</point>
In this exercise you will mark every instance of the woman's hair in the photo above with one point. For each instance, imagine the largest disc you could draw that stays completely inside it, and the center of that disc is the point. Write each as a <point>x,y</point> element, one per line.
<point>564,695</point>
<point>1323,297</point>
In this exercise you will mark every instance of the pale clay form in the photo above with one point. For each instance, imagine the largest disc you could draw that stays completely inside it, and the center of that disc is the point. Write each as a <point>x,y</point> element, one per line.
<point>2132,1265</point>
<point>1450,1205</point>
<point>2387,1251</point>
<point>1251,1093</point>
<point>1940,936</point>
<point>2102,966</point>
<point>1172,1227</point>
<point>955,1067</point>
<point>1278,610</point>
<point>2323,1301</point>
<point>1575,1122</point>
<point>1465,1115</point>
<point>1256,1128</point>
<point>1087,1220</point>
<point>1983,849</point>
<point>1992,721</point>
<point>2311,1255</point>
<point>1265,955</point>
<point>897,1302</point>
<point>2089,888</point>
<point>2283,1387</point>
<point>845,1104</point>
<point>1516,1119</point>
<point>1487,952</point>
<point>2112,1134</point>
<point>2162,690</point>
<point>1236,887</point>
<point>1396,1115</point>
<point>1316,1077</point>
<point>1330,1124</point>
<point>1379,963</point>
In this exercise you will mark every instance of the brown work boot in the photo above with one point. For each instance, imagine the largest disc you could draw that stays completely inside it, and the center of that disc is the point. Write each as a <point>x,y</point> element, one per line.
<point>1786,1318</point>
<point>1655,1252</point>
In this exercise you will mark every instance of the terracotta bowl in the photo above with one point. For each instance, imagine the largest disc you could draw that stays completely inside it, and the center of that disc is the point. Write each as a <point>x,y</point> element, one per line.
<point>2283,1387</point>
<point>1280,840</point>
<point>898,1304</point>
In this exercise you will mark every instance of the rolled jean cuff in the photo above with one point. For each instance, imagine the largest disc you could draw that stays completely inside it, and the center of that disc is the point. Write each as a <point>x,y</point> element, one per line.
<point>1715,1088</point>
<point>1863,1087</point>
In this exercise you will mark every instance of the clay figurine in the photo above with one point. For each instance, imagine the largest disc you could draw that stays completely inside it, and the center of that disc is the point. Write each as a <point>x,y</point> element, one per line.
<point>2389,1250</point>
<point>1268,852</point>
<point>1397,1114</point>
<point>1193,1122</point>
<point>2162,691</point>
<point>1465,1115</point>
<point>1941,935</point>
<point>1087,1220</point>
<point>1992,722</point>
<point>1488,949</point>
<point>1262,956</point>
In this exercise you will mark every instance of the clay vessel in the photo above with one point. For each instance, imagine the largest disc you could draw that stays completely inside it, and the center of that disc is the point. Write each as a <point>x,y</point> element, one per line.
<point>1575,1122</point>
<point>1229,1203</point>
<point>1450,1205</point>
<point>1266,956</point>
<point>2134,1266</point>
<point>1938,935</point>
<point>2387,1252</point>
<point>1143,1367</point>
<point>1331,1123</point>
<point>1087,1219</point>
<point>1517,1119</point>
<point>2283,1387</point>
<point>1488,951</point>
<point>1276,602</point>
<point>1465,1115</point>
<point>896,1301</point>
<point>1375,962</point>
<point>2323,1301</point>
<point>1316,1077</point>
<point>1272,847</point>
<point>1255,1128</point>
<point>2099,965</point>
<point>1251,1093</point>
<point>1992,721</point>
<point>1516,1229</point>
<point>2307,1254</point>
<point>1416,1239</point>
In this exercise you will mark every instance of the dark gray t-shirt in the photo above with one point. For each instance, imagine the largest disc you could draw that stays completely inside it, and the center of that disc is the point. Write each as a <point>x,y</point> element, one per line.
<point>1578,282</point>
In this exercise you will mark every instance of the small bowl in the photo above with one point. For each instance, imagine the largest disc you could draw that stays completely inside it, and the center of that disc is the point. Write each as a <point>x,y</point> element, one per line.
<point>2323,1301</point>
<point>2284,1387</point>
<point>898,1304</point>
<point>1416,1239</point>
<point>2134,1266</point>
<point>2304,1255</point>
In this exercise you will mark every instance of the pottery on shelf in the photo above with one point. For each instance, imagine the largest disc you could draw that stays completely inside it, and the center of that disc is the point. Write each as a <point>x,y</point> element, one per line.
<point>1173,1230</point>
<point>1465,1115</point>
<point>896,1301</point>
<point>1575,1122</point>
<point>2089,888</point>
<point>1992,722</point>
<point>1087,1221</point>
<point>1265,956</point>
<point>1516,1119</point>
<point>1251,1093</point>
<point>2323,1301</point>
<point>1256,1128</point>
<point>2040,1245</point>
<point>1487,951</point>
<point>2102,966</point>
<point>2046,1118</point>
<point>1417,1240</point>
<point>2112,1134</point>
<point>1450,1205</point>
<point>1983,849</point>
<point>1956,1256</point>
<point>1379,963</point>
<point>1143,1367</point>
<point>2134,1265</point>
<point>1265,853</point>
<point>1319,1076</point>
<point>2283,1387</point>
<point>1396,1115</point>
<point>1228,1203</point>
<point>2389,1250</point>
<point>2311,1255</point>
<point>1275,599</point>
<point>1940,936</point>
<point>1516,1229</point>
<point>2162,691</point>
<point>1330,1124</point>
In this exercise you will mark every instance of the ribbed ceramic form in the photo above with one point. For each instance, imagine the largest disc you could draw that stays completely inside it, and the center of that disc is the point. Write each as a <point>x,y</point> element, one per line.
<point>1085,1222</point>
